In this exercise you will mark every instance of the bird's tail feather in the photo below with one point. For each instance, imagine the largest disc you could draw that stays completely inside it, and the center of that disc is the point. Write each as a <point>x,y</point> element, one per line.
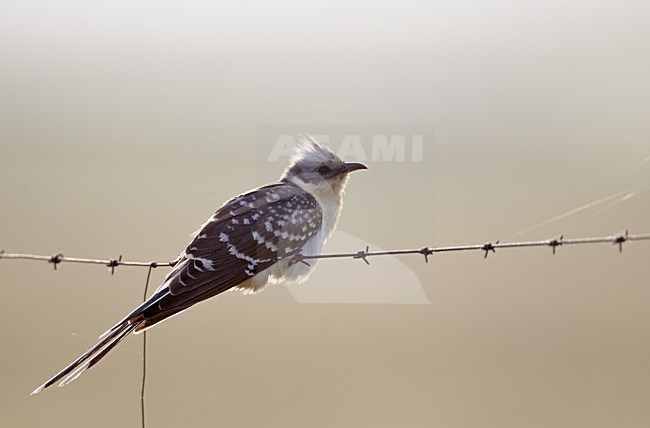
<point>90,358</point>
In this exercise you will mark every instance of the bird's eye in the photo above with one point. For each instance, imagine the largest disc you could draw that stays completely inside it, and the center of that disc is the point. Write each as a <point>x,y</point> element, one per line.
<point>324,170</point>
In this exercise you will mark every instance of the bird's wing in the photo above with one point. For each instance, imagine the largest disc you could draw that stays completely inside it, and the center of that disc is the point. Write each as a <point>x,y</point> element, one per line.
<point>245,236</point>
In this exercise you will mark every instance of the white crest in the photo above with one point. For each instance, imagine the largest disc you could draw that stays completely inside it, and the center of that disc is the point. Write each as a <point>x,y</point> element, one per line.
<point>310,150</point>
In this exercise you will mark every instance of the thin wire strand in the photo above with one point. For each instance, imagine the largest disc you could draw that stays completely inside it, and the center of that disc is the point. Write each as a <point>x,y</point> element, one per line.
<point>619,196</point>
<point>144,350</point>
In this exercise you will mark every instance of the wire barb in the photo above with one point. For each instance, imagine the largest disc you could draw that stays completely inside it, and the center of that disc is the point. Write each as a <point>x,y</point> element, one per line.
<point>363,255</point>
<point>112,263</point>
<point>55,259</point>
<point>556,242</point>
<point>487,247</point>
<point>426,252</point>
<point>298,258</point>
<point>620,240</point>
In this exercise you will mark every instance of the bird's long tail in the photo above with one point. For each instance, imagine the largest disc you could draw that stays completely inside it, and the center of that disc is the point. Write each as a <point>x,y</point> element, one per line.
<point>91,357</point>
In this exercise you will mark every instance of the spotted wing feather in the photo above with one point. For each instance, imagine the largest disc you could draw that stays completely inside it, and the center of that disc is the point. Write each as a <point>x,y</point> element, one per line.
<point>245,236</point>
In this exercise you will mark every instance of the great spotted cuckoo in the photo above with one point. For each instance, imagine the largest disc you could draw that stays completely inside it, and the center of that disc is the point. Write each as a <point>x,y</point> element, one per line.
<point>251,241</point>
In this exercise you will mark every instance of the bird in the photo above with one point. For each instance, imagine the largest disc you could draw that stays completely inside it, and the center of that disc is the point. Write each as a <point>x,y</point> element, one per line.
<point>251,241</point>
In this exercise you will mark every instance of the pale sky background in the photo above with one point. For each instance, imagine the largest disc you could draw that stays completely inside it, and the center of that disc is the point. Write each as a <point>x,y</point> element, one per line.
<point>124,125</point>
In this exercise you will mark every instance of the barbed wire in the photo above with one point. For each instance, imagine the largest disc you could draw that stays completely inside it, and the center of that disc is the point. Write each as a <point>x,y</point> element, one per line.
<point>426,252</point>
<point>486,248</point>
<point>58,258</point>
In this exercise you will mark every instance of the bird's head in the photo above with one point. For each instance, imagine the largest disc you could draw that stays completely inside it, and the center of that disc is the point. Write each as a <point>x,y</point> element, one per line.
<point>317,169</point>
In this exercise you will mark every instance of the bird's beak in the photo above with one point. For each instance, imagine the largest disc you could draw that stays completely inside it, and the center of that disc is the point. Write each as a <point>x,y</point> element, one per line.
<point>352,166</point>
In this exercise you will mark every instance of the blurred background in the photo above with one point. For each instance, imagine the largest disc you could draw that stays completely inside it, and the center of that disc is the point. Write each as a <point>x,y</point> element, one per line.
<point>124,125</point>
